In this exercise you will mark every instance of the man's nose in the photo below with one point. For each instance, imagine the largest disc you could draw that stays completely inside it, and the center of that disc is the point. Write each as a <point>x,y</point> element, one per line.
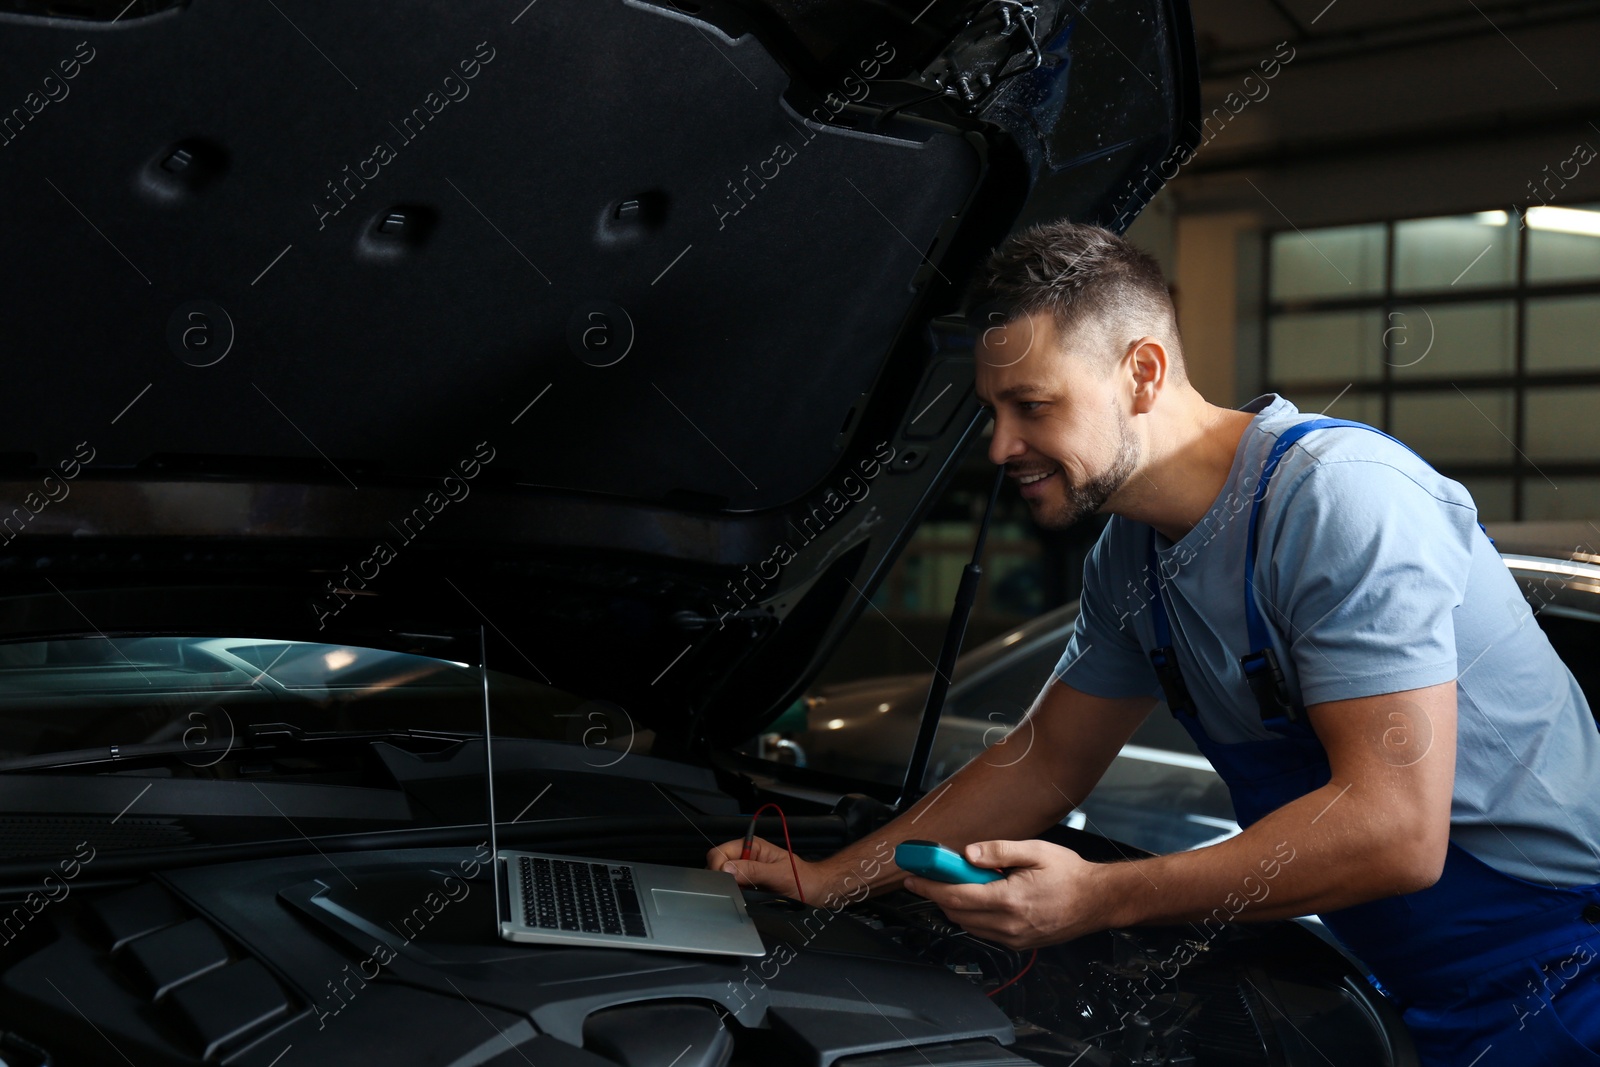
<point>1004,445</point>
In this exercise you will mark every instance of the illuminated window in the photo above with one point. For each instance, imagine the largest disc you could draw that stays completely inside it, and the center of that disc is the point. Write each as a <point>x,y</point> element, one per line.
<point>1474,338</point>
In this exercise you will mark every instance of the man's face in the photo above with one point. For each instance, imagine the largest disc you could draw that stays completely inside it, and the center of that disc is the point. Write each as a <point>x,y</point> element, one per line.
<point>1059,413</point>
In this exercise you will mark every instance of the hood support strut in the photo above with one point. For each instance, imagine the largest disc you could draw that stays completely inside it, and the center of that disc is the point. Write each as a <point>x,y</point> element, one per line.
<point>939,686</point>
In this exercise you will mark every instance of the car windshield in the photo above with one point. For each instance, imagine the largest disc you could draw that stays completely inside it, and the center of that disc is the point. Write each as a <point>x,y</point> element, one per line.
<point>73,694</point>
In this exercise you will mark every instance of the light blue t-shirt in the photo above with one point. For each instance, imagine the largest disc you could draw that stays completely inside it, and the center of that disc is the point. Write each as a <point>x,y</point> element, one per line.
<point>1373,577</point>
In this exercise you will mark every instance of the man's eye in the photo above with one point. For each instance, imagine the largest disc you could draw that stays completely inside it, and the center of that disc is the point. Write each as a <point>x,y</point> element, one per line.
<point>1028,406</point>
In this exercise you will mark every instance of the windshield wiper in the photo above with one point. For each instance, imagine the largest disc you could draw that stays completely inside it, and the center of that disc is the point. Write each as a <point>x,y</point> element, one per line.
<point>258,739</point>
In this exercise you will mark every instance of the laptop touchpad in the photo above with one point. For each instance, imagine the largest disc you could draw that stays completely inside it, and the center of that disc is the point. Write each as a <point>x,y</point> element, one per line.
<point>678,904</point>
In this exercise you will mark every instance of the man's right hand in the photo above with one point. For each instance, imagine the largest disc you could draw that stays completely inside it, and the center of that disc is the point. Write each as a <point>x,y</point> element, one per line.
<point>768,868</point>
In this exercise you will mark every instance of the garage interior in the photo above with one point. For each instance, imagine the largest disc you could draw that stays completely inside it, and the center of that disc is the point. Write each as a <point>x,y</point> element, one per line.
<point>1400,225</point>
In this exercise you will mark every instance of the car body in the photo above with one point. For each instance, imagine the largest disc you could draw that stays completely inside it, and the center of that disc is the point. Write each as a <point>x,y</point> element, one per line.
<point>591,360</point>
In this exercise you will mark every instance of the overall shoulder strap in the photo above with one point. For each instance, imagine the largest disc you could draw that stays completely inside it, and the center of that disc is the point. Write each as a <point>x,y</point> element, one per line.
<point>1261,667</point>
<point>1263,673</point>
<point>1162,657</point>
<point>1256,626</point>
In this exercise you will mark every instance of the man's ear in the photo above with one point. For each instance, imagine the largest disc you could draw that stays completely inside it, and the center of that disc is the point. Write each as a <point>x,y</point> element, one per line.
<point>1147,364</point>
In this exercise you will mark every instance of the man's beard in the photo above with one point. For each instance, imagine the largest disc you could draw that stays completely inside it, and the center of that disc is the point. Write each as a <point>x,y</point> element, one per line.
<point>1087,499</point>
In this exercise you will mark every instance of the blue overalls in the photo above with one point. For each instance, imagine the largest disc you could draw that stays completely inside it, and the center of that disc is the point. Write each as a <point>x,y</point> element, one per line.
<point>1473,960</point>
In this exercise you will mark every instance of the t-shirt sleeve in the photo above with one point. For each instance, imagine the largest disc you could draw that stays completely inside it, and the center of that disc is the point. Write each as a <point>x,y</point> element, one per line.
<point>1103,657</point>
<point>1366,571</point>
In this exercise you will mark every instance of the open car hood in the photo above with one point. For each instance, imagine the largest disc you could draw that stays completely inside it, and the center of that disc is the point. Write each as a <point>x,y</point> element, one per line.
<point>626,329</point>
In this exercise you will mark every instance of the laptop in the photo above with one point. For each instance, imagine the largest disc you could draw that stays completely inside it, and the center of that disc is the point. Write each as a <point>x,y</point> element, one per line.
<point>548,899</point>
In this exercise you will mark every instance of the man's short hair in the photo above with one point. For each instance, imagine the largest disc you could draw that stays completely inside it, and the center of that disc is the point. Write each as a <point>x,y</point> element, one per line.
<point>1084,276</point>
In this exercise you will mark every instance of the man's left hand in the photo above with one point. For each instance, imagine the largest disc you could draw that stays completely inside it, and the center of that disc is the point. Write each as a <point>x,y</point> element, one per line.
<point>1050,894</point>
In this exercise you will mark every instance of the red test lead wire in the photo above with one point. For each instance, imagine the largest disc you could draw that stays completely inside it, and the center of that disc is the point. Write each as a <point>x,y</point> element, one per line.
<point>749,838</point>
<point>1013,979</point>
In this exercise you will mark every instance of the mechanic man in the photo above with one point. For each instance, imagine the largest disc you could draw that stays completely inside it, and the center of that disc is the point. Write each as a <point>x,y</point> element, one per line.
<point>1322,611</point>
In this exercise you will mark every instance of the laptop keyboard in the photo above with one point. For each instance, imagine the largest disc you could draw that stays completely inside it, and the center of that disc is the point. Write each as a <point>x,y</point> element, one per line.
<point>593,898</point>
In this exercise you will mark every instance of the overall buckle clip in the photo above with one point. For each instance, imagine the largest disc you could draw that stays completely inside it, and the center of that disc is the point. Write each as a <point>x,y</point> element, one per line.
<point>1265,677</point>
<point>1171,679</point>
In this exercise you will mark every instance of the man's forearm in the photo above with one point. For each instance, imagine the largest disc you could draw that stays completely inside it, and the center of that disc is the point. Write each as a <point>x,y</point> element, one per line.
<point>1016,788</point>
<point>1325,851</point>
<point>1380,827</point>
<point>996,795</point>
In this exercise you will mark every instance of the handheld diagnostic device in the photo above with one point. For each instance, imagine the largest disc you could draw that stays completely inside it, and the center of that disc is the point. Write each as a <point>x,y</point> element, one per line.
<point>929,859</point>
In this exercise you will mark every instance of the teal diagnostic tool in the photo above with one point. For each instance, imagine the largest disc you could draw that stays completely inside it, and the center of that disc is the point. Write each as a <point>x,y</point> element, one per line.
<point>929,859</point>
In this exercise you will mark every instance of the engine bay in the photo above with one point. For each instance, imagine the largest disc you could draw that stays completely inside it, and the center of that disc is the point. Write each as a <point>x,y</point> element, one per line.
<point>390,956</point>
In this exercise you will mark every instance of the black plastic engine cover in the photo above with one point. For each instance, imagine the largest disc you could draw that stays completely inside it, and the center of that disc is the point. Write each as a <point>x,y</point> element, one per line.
<point>394,954</point>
